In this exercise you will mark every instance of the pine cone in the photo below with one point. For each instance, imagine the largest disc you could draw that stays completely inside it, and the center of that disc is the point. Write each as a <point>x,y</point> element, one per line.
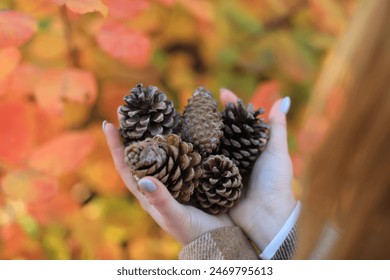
<point>245,135</point>
<point>147,113</point>
<point>202,124</point>
<point>220,185</point>
<point>168,159</point>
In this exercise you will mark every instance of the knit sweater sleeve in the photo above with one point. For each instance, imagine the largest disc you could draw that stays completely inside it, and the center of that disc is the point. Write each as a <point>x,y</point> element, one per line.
<point>287,250</point>
<point>227,243</point>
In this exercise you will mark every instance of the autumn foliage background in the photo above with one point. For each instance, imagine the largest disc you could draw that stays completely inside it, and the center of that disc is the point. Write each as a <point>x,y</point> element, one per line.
<point>65,66</point>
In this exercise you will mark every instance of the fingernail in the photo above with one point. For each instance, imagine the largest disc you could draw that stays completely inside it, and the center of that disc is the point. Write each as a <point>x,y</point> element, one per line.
<point>285,105</point>
<point>104,125</point>
<point>147,185</point>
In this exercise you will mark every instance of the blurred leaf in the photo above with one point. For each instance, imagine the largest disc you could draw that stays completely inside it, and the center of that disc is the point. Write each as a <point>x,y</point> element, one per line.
<point>110,99</point>
<point>26,72</point>
<point>62,154</point>
<point>124,9</point>
<point>130,46</point>
<point>200,9</point>
<point>99,166</point>
<point>55,244</point>
<point>10,58</point>
<point>84,6</point>
<point>72,84</point>
<point>16,28</point>
<point>50,44</point>
<point>328,14</point>
<point>19,131</point>
<point>29,186</point>
<point>265,95</point>
<point>59,209</point>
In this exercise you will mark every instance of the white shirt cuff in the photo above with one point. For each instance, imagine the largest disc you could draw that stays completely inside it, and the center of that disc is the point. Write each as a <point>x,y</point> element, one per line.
<point>278,240</point>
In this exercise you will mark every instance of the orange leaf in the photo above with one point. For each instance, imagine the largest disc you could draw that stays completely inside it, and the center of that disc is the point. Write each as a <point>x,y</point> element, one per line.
<point>14,237</point>
<point>265,95</point>
<point>84,6</point>
<point>29,186</point>
<point>16,28</point>
<point>62,154</point>
<point>124,9</point>
<point>72,84</point>
<point>9,58</point>
<point>200,9</point>
<point>18,132</point>
<point>125,44</point>
<point>57,209</point>
<point>29,74</point>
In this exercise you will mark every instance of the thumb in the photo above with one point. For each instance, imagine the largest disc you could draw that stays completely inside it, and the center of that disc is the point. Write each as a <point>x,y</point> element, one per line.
<point>226,96</point>
<point>278,133</point>
<point>161,199</point>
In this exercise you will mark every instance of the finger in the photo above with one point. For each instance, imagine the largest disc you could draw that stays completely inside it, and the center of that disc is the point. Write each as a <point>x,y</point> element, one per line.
<point>170,210</point>
<point>226,96</point>
<point>278,133</point>
<point>117,152</point>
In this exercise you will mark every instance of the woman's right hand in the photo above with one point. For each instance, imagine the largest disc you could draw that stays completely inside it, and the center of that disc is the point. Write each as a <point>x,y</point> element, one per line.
<point>269,199</point>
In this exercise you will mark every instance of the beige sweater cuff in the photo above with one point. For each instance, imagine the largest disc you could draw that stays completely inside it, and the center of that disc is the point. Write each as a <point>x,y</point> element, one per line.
<point>227,243</point>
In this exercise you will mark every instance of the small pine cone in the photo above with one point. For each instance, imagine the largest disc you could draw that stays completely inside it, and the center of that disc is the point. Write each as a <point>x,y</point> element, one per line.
<point>168,159</point>
<point>147,113</point>
<point>220,185</point>
<point>245,135</point>
<point>201,123</point>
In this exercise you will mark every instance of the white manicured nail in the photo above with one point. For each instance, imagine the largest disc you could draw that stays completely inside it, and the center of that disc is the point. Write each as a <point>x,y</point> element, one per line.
<point>147,185</point>
<point>285,105</point>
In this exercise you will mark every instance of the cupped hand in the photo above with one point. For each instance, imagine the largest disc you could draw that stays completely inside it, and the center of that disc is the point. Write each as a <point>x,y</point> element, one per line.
<point>184,223</point>
<point>269,199</point>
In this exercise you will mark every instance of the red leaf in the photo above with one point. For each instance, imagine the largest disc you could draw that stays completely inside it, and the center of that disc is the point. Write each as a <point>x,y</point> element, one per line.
<point>18,132</point>
<point>56,85</point>
<point>62,154</point>
<point>16,28</point>
<point>265,95</point>
<point>125,44</point>
<point>29,186</point>
<point>123,9</point>
<point>84,6</point>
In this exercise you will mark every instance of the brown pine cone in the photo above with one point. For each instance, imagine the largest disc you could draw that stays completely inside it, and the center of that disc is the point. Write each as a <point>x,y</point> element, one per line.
<point>168,159</point>
<point>220,185</point>
<point>245,135</point>
<point>201,123</point>
<point>147,113</point>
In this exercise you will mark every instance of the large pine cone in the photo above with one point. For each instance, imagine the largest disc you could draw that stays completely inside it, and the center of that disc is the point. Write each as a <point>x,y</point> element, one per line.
<point>168,159</point>
<point>245,135</point>
<point>220,185</point>
<point>147,113</point>
<point>201,123</point>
